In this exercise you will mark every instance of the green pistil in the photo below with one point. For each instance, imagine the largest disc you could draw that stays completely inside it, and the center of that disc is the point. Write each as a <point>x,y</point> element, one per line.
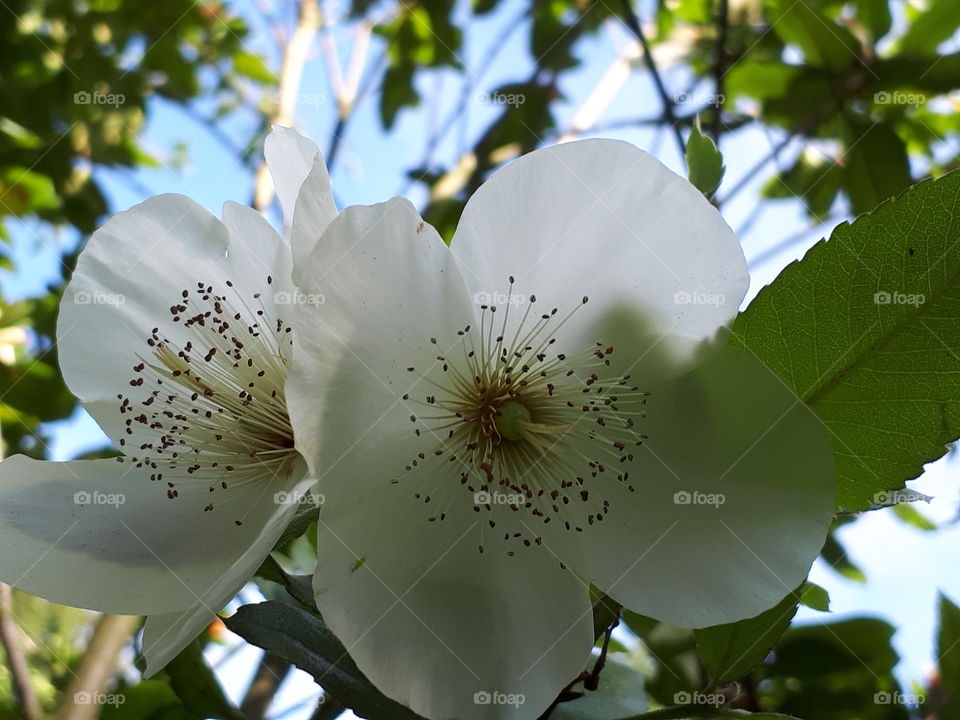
<point>510,420</point>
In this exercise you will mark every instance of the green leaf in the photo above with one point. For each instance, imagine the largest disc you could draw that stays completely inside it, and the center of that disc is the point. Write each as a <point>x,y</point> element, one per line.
<point>814,597</point>
<point>838,560</point>
<point>728,652</point>
<point>866,329</point>
<point>931,27</point>
<point>300,587</point>
<point>823,42</point>
<point>876,166</point>
<point>704,162</point>
<point>197,687</point>
<point>914,518</point>
<point>606,611</point>
<point>812,179</point>
<point>397,92</point>
<point>948,650</point>
<point>147,700</point>
<point>875,16</point>
<point>253,66</point>
<point>834,671</point>
<point>25,191</point>
<point>304,640</point>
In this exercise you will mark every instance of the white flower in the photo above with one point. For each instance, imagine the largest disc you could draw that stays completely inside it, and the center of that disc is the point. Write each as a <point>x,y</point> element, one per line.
<point>496,424</point>
<point>174,334</point>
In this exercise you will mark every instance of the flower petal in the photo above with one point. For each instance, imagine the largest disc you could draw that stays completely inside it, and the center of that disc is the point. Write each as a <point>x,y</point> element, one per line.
<point>469,635</point>
<point>392,289</point>
<point>382,275</point>
<point>99,534</point>
<point>291,157</point>
<point>164,636</point>
<point>733,492</point>
<point>602,219</point>
<point>131,273</point>
<point>315,209</point>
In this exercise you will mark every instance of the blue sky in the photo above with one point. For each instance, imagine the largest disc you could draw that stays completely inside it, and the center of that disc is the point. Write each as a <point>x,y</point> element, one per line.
<point>905,567</point>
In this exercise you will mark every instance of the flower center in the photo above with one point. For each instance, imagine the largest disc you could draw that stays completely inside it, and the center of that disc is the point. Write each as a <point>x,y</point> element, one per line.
<point>213,410</point>
<point>521,426</point>
<point>511,420</point>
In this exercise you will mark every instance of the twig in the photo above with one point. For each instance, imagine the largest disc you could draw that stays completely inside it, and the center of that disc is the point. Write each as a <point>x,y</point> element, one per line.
<point>16,659</point>
<point>633,24</point>
<point>216,132</point>
<point>270,675</point>
<point>719,68</point>
<point>295,55</point>
<point>757,167</point>
<point>593,682</point>
<point>360,89</point>
<point>471,82</point>
<point>97,666</point>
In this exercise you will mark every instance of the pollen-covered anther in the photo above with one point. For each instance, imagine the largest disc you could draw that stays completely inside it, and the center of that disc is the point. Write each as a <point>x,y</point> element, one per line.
<point>526,428</point>
<point>209,397</point>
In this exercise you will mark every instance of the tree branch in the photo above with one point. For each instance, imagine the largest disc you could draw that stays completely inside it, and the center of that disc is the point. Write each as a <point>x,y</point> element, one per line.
<point>16,659</point>
<point>719,69</point>
<point>97,666</point>
<point>295,55</point>
<point>633,24</point>
<point>270,675</point>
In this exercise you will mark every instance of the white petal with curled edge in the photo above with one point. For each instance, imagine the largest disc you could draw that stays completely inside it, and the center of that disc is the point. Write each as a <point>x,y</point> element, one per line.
<point>99,534</point>
<point>291,158</point>
<point>315,209</point>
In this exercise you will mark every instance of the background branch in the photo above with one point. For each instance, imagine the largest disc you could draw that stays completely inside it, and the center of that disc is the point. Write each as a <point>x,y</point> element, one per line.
<point>12,640</point>
<point>270,675</point>
<point>633,24</point>
<point>295,55</point>
<point>96,667</point>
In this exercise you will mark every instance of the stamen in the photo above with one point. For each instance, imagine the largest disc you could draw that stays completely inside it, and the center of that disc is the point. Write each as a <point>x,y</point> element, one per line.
<point>214,413</point>
<point>525,429</point>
